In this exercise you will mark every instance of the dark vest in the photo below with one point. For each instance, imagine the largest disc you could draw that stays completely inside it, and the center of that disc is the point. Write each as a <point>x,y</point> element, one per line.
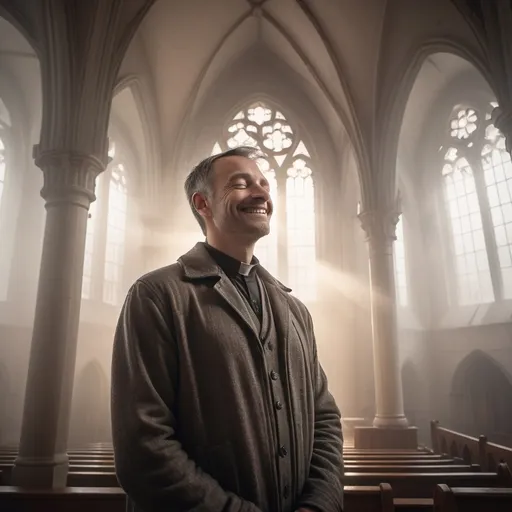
<point>274,361</point>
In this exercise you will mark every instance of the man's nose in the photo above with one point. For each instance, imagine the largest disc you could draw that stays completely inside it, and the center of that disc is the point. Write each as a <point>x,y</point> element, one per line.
<point>259,192</point>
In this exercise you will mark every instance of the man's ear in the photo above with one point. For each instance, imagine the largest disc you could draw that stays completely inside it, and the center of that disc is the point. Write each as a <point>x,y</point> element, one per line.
<point>201,205</point>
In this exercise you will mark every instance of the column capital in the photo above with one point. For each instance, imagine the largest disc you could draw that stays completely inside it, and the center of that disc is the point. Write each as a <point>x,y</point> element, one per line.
<point>69,176</point>
<point>380,225</point>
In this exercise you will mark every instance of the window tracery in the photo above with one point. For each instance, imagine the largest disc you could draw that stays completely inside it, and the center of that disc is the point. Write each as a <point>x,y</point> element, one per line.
<point>289,251</point>
<point>477,173</point>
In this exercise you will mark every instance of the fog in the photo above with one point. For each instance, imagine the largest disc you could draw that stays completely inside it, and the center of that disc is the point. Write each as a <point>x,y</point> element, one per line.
<point>455,358</point>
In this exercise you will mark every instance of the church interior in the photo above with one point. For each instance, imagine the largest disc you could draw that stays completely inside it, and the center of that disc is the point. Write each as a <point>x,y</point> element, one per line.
<point>387,129</point>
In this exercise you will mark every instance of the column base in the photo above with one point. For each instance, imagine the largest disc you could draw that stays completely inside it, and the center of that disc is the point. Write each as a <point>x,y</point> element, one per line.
<point>390,421</point>
<point>38,474</point>
<point>386,438</point>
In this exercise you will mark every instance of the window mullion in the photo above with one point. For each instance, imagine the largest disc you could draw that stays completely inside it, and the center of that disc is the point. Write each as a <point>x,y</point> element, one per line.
<point>488,228</point>
<point>100,242</point>
<point>282,226</point>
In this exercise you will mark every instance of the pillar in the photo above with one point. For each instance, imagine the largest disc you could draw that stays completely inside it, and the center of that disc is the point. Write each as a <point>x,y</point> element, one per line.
<point>68,191</point>
<point>390,426</point>
<point>72,150</point>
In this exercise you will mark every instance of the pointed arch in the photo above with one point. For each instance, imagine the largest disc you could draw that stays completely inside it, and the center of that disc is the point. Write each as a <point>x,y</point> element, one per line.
<point>398,100</point>
<point>480,396</point>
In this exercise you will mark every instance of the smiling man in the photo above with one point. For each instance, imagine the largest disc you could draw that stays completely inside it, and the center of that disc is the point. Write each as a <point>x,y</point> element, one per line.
<point>219,402</point>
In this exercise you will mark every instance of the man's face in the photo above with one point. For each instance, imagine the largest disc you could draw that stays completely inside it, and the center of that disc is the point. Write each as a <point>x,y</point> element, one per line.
<point>239,203</point>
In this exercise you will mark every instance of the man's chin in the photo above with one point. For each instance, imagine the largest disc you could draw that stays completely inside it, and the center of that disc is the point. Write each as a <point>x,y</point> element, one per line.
<point>256,232</point>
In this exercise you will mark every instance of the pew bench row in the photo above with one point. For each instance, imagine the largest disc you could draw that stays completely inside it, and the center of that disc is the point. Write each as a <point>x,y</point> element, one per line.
<point>357,499</point>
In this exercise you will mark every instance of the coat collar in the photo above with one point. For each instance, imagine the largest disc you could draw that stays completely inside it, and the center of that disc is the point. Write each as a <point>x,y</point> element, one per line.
<point>198,264</point>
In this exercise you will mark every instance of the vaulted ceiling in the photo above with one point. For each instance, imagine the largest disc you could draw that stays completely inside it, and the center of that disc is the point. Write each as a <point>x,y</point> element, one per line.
<point>353,56</point>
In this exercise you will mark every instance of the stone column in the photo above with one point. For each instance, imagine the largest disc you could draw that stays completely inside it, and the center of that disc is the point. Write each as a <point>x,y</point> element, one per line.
<point>380,230</point>
<point>80,47</point>
<point>68,190</point>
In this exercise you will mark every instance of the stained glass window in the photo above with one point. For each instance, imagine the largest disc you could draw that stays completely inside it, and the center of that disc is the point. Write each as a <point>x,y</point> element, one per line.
<point>477,174</point>
<point>288,253</point>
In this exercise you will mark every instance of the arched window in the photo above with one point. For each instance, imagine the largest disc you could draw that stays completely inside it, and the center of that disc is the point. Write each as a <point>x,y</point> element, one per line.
<point>105,239</point>
<point>477,175</point>
<point>288,252</point>
<point>400,265</point>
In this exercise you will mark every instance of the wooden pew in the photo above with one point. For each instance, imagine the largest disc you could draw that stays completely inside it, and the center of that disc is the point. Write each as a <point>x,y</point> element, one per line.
<point>473,499</point>
<point>470,449</point>
<point>385,468</point>
<point>411,462</point>
<point>85,499</point>
<point>378,498</point>
<point>422,485</point>
<point>413,504</point>
<point>379,456</point>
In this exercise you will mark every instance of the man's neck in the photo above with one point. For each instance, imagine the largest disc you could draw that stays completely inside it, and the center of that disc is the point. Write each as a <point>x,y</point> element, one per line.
<point>243,253</point>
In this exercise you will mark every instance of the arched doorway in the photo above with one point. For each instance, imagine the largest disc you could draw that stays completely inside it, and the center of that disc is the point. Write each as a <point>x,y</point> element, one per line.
<point>481,399</point>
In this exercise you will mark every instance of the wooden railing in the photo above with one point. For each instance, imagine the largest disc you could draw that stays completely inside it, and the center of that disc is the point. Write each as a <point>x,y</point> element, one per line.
<point>470,449</point>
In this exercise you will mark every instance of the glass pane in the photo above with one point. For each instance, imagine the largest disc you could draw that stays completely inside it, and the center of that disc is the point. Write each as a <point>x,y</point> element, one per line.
<point>300,215</point>
<point>266,248</point>
<point>289,160</point>
<point>115,243</point>
<point>497,168</point>
<point>474,284</point>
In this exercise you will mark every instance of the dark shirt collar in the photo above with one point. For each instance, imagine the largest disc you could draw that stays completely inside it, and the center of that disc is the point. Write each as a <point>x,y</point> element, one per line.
<point>231,266</point>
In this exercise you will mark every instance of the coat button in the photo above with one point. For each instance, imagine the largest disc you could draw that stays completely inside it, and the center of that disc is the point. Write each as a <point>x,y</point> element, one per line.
<point>283,452</point>
<point>274,375</point>
<point>270,346</point>
<point>286,492</point>
<point>279,405</point>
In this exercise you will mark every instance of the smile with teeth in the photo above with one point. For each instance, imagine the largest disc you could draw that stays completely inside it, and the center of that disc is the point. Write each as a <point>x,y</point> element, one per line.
<point>260,211</point>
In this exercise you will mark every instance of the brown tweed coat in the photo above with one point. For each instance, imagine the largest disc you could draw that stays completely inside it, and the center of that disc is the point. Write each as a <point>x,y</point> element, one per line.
<point>190,409</point>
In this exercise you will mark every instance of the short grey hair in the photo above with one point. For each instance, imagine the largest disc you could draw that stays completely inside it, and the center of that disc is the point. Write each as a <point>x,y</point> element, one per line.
<point>199,179</point>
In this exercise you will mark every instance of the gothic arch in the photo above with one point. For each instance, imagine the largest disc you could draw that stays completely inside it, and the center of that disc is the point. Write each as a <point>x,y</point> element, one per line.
<point>398,101</point>
<point>200,132</point>
<point>480,398</point>
<point>146,134</point>
<point>22,25</point>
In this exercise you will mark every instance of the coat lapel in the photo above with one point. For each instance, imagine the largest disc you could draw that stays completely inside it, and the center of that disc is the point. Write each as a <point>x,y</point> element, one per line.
<point>277,294</point>
<point>227,290</point>
<point>198,264</point>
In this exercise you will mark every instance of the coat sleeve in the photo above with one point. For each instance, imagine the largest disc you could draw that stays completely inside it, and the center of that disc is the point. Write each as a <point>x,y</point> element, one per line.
<point>151,465</point>
<point>323,491</point>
